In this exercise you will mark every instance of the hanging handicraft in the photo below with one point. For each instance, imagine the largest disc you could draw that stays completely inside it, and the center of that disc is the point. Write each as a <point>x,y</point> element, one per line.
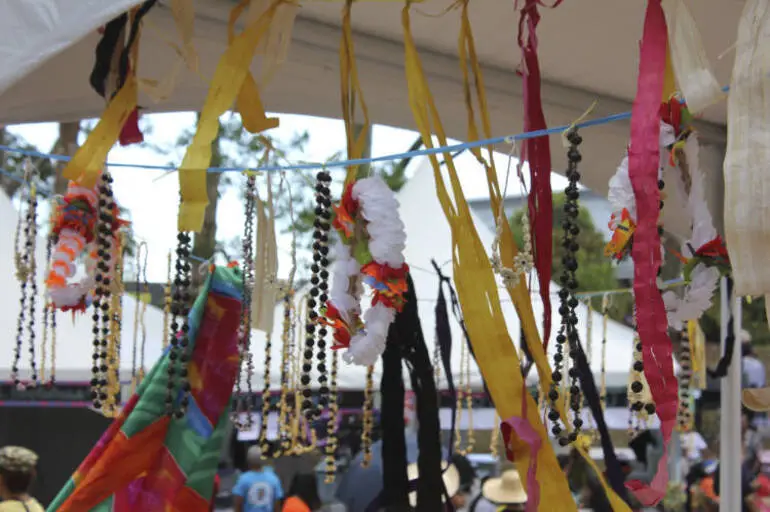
<point>568,334</point>
<point>25,244</point>
<point>370,251</point>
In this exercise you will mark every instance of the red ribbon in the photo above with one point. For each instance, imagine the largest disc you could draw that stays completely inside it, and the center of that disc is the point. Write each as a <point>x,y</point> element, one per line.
<point>522,428</point>
<point>537,152</point>
<point>643,162</point>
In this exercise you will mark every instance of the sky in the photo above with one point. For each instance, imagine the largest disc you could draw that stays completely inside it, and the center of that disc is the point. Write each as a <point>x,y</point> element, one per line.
<point>151,196</point>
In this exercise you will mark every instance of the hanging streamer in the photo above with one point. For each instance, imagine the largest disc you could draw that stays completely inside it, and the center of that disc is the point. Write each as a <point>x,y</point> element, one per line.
<point>444,345</point>
<point>746,206</point>
<point>537,152</point>
<point>406,343</point>
<point>477,290</point>
<point>231,80</point>
<point>350,90</point>
<point>693,71</point>
<point>643,161</point>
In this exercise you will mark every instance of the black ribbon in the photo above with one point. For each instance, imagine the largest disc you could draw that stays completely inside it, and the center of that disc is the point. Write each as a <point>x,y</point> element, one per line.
<point>458,314</point>
<point>107,46</point>
<point>727,357</point>
<point>614,470</point>
<point>406,343</point>
<point>444,341</point>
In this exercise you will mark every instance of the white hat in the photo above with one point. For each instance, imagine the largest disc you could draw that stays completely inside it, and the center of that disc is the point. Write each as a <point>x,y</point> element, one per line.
<point>505,490</point>
<point>449,474</point>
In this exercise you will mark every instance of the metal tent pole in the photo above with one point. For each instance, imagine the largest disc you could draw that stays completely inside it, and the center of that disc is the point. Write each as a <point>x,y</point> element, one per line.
<point>730,459</point>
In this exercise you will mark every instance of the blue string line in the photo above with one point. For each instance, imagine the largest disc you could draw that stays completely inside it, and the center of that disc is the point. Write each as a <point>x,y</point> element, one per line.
<point>509,139</point>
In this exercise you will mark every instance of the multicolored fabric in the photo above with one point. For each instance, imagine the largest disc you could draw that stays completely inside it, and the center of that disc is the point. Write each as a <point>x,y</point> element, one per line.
<point>148,461</point>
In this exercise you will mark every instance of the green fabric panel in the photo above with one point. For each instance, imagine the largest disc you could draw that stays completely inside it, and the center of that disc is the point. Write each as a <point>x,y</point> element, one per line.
<point>200,478</point>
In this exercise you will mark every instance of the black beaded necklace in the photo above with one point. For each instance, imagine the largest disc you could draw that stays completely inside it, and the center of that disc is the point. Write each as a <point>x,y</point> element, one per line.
<point>26,273</point>
<point>101,305</point>
<point>568,333</point>
<point>684,416</point>
<point>179,339</point>
<point>245,358</point>
<point>318,296</point>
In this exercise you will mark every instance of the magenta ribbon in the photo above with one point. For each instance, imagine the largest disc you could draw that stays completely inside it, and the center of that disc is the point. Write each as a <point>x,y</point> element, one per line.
<point>643,163</point>
<point>537,152</point>
<point>524,431</point>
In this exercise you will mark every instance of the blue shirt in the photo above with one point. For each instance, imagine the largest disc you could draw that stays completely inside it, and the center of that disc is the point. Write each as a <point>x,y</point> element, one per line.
<point>259,490</point>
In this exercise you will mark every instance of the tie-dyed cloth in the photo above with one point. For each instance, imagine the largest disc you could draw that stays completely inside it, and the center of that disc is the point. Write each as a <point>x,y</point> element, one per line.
<point>147,461</point>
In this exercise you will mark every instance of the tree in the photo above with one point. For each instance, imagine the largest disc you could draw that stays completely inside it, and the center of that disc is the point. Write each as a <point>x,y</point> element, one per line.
<point>233,147</point>
<point>13,163</point>
<point>595,271</point>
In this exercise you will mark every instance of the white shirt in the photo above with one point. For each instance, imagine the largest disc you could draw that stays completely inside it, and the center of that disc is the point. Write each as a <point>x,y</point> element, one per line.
<point>693,445</point>
<point>754,371</point>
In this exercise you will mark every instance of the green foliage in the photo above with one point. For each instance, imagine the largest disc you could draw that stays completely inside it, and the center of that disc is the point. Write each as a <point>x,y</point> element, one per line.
<point>595,271</point>
<point>13,163</point>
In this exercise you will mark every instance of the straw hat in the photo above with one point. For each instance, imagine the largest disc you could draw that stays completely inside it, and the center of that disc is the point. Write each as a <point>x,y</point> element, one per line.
<point>505,490</point>
<point>449,474</point>
<point>756,399</point>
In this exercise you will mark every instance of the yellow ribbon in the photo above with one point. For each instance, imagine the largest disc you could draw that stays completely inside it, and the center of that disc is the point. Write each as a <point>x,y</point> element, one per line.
<point>477,290</point>
<point>232,79</point>
<point>350,90</point>
<point>89,159</point>
<point>492,363</point>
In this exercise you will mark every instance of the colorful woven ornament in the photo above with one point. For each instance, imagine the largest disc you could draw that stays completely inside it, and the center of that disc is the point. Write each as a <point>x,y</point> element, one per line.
<point>370,251</point>
<point>74,228</point>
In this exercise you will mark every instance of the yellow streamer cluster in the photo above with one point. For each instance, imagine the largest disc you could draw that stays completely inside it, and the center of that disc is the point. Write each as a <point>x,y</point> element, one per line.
<point>232,82</point>
<point>476,285</point>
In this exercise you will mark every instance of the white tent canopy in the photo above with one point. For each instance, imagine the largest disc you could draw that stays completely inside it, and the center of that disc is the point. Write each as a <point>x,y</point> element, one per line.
<point>73,335</point>
<point>47,53</point>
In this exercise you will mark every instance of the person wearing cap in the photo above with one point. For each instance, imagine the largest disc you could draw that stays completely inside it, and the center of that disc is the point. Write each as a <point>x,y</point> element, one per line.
<point>17,472</point>
<point>502,494</point>
<point>258,489</point>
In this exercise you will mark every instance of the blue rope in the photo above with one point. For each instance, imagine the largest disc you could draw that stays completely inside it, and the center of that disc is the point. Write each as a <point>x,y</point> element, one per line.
<point>453,148</point>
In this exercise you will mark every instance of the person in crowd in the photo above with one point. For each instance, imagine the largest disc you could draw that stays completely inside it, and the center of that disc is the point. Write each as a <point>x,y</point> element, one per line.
<point>258,489</point>
<point>467,479</point>
<point>753,368</point>
<point>303,494</point>
<point>752,439</point>
<point>17,473</point>
<point>502,494</point>
<point>452,484</point>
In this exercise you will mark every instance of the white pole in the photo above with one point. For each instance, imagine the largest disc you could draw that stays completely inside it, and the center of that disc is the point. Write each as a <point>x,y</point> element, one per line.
<point>730,459</point>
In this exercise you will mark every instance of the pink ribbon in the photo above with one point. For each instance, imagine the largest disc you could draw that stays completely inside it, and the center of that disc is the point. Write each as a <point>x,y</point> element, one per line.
<point>526,433</point>
<point>643,162</point>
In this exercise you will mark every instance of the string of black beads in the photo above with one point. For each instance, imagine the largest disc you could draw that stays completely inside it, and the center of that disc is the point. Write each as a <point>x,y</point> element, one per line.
<point>179,340</point>
<point>26,272</point>
<point>321,243</point>
<point>685,363</point>
<point>317,299</point>
<point>568,333</point>
<point>331,425</point>
<point>101,305</point>
<point>244,341</point>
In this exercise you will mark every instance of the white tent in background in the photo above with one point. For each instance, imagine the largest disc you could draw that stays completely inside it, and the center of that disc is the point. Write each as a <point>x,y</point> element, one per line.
<point>429,238</point>
<point>73,335</point>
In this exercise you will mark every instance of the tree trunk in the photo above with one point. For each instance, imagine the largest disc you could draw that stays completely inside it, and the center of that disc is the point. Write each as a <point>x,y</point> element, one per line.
<point>67,145</point>
<point>205,242</point>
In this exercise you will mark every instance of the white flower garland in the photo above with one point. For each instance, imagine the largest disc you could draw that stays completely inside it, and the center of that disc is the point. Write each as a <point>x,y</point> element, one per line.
<point>386,241</point>
<point>703,280</point>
